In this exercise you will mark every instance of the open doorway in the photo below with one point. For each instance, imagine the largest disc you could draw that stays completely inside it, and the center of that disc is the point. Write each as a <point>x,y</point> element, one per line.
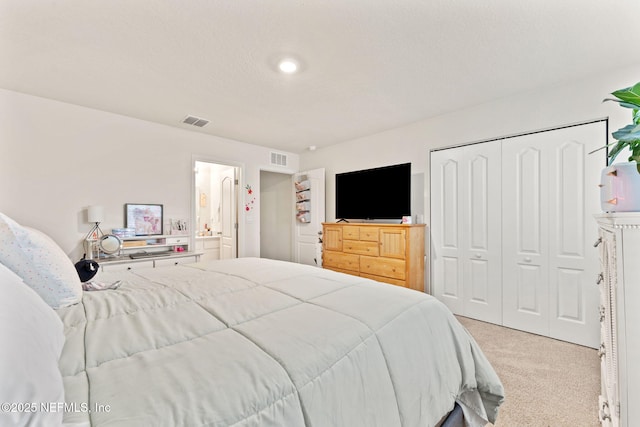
<point>215,209</point>
<point>276,216</point>
<point>284,233</point>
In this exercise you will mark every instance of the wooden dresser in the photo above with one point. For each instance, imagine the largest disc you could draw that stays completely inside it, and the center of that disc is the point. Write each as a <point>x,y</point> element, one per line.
<point>390,253</point>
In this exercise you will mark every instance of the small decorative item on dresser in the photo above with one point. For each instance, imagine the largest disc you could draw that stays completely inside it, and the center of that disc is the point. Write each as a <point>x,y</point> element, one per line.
<point>124,232</point>
<point>147,219</point>
<point>620,188</point>
<point>178,226</point>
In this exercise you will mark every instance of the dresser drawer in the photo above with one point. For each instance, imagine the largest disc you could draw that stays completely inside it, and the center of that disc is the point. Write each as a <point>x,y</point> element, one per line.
<point>370,234</point>
<point>351,232</point>
<point>393,268</point>
<point>340,260</point>
<point>175,261</point>
<point>359,247</point>
<point>177,240</point>
<point>383,279</point>
<point>134,265</point>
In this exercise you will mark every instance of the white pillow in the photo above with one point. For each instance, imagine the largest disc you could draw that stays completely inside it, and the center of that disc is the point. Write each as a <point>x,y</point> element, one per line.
<point>31,338</point>
<point>40,262</point>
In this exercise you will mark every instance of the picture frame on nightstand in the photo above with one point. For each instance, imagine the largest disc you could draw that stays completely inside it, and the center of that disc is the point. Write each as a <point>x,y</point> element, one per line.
<point>147,219</point>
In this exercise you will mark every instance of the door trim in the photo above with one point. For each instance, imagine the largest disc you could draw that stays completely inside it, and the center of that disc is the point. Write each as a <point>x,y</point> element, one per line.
<point>516,135</point>
<point>240,219</point>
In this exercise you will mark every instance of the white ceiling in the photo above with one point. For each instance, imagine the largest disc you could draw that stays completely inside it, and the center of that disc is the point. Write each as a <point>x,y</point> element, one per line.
<point>368,65</point>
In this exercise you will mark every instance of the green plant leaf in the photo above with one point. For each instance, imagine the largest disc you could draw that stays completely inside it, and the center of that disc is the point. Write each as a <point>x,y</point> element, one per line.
<point>624,104</point>
<point>631,105</point>
<point>628,133</point>
<point>613,153</point>
<point>629,95</point>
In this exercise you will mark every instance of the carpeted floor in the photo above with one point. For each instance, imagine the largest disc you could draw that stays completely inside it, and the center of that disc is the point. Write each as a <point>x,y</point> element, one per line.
<point>548,383</point>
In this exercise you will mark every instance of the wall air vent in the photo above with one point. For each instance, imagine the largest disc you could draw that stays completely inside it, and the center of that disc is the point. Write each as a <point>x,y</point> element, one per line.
<point>278,159</point>
<point>195,121</point>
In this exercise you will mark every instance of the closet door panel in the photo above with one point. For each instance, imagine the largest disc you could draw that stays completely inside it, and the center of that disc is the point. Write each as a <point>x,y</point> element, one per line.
<point>574,198</point>
<point>550,193</point>
<point>446,264</point>
<point>465,191</point>
<point>481,228</point>
<point>525,288</point>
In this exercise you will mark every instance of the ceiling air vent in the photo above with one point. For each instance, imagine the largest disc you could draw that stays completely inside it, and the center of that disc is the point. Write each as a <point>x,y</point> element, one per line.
<point>278,159</point>
<point>195,121</point>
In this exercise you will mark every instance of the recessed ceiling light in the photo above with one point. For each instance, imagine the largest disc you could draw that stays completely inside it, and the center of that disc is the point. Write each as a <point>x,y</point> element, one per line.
<point>288,66</point>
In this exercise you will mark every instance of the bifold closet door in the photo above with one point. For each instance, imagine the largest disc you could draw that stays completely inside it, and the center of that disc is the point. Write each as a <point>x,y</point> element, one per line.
<point>466,227</point>
<point>549,194</point>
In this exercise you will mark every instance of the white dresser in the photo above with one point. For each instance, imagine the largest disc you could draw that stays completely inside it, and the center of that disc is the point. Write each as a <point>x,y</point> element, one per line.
<point>619,282</point>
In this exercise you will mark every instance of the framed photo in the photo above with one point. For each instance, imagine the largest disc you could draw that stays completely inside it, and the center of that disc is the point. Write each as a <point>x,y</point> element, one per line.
<point>145,218</point>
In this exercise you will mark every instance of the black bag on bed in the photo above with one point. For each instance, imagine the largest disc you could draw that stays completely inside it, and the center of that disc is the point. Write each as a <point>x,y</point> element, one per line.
<point>86,268</point>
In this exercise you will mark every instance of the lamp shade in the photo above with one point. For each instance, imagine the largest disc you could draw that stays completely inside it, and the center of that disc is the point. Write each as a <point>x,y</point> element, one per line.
<point>95,214</point>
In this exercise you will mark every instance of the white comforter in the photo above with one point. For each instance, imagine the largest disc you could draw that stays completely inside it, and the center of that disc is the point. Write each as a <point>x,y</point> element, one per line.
<point>255,342</point>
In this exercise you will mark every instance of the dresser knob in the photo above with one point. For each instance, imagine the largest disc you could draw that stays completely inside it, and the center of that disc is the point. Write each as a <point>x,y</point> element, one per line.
<point>601,351</point>
<point>604,412</point>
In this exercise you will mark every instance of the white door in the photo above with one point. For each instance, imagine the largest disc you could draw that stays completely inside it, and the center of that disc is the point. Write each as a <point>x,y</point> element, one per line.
<point>466,227</point>
<point>550,192</point>
<point>229,225</point>
<point>305,234</point>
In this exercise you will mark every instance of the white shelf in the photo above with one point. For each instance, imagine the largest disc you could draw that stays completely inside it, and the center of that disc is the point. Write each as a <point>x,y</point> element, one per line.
<point>175,249</point>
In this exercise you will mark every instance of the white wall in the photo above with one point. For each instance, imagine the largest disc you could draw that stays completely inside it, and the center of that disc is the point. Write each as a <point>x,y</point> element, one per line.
<point>550,107</point>
<point>57,158</point>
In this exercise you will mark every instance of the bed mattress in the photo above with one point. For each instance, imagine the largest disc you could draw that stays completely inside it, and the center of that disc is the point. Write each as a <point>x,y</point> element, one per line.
<point>256,342</point>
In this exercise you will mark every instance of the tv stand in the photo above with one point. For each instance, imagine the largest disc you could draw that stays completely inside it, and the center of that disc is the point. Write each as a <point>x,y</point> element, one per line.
<point>390,253</point>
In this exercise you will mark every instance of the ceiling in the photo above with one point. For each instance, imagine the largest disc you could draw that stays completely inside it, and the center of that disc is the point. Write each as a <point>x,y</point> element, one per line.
<point>367,65</point>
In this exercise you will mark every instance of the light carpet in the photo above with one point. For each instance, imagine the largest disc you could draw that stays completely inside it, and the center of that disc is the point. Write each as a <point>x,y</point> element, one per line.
<point>547,382</point>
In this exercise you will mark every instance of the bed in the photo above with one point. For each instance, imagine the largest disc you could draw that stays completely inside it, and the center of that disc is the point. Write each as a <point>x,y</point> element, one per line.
<point>254,342</point>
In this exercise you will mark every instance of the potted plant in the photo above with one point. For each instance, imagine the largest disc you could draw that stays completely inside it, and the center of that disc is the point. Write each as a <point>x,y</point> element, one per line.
<point>628,136</point>
<point>620,184</point>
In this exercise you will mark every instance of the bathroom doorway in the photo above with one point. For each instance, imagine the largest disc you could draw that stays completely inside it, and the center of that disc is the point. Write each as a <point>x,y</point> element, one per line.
<point>215,204</point>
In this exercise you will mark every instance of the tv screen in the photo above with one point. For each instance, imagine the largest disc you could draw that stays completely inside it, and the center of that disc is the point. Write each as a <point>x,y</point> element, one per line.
<point>380,193</point>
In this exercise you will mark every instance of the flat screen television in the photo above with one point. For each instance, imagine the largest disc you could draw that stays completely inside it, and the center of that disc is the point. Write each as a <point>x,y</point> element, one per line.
<point>379,193</point>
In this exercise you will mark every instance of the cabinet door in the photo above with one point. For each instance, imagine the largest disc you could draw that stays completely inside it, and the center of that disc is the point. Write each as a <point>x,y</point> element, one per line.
<point>465,229</point>
<point>393,242</point>
<point>332,238</point>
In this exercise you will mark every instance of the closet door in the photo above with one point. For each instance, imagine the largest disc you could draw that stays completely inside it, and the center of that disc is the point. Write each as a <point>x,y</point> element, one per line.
<point>549,195</point>
<point>466,227</point>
